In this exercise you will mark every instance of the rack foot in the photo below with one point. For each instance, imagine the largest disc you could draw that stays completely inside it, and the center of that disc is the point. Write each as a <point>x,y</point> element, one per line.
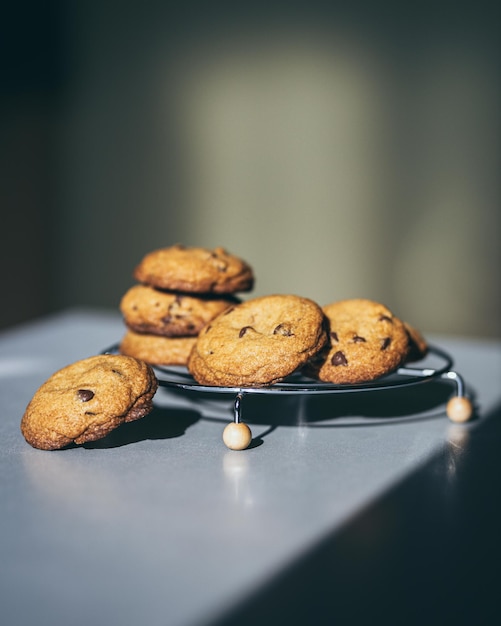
<point>237,435</point>
<point>459,409</point>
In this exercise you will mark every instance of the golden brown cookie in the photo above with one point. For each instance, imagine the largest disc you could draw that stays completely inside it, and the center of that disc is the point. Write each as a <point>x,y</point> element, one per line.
<point>258,342</point>
<point>418,346</point>
<point>157,350</point>
<point>366,341</point>
<point>149,310</point>
<point>195,270</point>
<point>88,399</point>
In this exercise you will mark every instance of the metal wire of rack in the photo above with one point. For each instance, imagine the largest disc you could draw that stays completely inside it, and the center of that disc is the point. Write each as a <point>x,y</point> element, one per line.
<point>437,365</point>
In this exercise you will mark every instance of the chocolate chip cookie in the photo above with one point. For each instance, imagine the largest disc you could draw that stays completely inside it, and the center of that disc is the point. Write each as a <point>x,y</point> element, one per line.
<point>88,399</point>
<point>195,270</point>
<point>366,341</point>
<point>157,350</point>
<point>258,342</point>
<point>149,310</point>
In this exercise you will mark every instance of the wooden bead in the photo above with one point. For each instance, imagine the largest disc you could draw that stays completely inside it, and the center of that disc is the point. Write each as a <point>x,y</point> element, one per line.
<point>237,436</point>
<point>459,409</point>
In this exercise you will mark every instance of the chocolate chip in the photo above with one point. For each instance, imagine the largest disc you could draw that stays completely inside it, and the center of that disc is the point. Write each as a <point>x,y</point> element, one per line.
<point>85,395</point>
<point>283,329</point>
<point>220,264</point>
<point>334,336</point>
<point>385,343</point>
<point>244,330</point>
<point>208,328</point>
<point>228,311</point>
<point>385,318</point>
<point>358,339</point>
<point>171,311</point>
<point>339,359</point>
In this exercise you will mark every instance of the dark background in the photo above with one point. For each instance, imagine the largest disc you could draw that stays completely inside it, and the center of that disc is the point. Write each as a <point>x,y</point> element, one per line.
<point>92,176</point>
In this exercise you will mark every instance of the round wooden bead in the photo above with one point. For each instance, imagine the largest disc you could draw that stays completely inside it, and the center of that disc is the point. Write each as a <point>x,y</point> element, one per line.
<point>459,409</point>
<point>237,436</point>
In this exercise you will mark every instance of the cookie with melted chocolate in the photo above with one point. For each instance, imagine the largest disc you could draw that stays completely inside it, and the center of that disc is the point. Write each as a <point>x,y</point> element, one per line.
<point>195,270</point>
<point>366,341</point>
<point>88,399</point>
<point>258,342</point>
<point>153,311</point>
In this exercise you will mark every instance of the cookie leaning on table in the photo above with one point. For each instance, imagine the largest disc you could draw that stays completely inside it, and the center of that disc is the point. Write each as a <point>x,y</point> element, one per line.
<point>195,270</point>
<point>366,341</point>
<point>88,399</point>
<point>157,350</point>
<point>149,310</point>
<point>258,342</point>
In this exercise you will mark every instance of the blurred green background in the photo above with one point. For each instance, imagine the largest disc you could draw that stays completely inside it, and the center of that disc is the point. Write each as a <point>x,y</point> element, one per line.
<point>348,151</point>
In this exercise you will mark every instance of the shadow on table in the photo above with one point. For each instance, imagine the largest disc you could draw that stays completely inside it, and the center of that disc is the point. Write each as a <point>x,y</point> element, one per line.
<point>349,409</point>
<point>425,552</point>
<point>161,423</point>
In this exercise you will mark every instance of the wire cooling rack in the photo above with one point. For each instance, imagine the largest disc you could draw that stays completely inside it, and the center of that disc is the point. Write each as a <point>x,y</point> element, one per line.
<point>436,365</point>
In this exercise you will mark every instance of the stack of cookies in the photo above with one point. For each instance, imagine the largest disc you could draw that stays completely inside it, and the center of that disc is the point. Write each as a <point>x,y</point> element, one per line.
<point>180,290</point>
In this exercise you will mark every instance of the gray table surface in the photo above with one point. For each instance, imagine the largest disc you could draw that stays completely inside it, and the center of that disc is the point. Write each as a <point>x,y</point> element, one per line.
<point>160,523</point>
